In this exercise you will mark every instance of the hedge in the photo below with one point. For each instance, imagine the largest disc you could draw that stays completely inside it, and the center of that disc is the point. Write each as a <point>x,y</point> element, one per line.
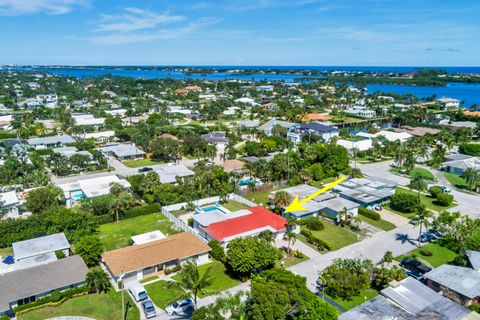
<point>435,191</point>
<point>369,213</point>
<point>321,245</point>
<point>471,149</point>
<point>56,298</point>
<point>130,213</point>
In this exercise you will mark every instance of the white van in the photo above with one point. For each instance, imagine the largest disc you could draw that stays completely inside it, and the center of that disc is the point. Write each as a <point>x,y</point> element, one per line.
<point>138,291</point>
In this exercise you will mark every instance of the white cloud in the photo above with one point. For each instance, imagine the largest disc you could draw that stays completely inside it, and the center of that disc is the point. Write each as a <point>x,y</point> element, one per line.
<point>54,7</point>
<point>137,19</point>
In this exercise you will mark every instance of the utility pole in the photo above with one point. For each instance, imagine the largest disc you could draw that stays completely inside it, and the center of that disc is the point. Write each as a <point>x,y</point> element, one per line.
<point>123,298</point>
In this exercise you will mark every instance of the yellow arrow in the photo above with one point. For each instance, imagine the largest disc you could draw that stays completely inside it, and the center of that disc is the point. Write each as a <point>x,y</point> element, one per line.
<point>298,205</point>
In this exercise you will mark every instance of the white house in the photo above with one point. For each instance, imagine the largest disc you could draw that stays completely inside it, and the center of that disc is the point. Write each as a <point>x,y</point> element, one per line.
<point>360,111</point>
<point>448,103</point>
<point>9,204</point>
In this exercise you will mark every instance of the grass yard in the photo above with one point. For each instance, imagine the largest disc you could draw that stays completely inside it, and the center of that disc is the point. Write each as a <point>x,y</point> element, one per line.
<point>291,261</point>
<point>456,181</point>
<point>117,234</point>
<point>234,205</point>
<point>259,197</point>
<point>97,306</point>
<point>336,236</point>
<point>4,252</point>
<point>427,200</point>
<point>163,295</point>
<point>356,300</point>
<point>141,163</point>
<point>221,281</point>
<point>423,173</point>
<point>440,255</point>
<point>381,224</point>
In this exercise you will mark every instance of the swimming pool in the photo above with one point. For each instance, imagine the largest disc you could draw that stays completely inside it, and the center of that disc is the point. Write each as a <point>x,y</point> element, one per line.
<point>246,182</point>
<point>77,195</point>
<point>212,208</point>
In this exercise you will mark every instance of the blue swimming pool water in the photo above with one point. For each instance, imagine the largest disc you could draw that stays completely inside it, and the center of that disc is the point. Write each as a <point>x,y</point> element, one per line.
<point>245,182</point>
<point>78,195</point>
<point>210,208</point>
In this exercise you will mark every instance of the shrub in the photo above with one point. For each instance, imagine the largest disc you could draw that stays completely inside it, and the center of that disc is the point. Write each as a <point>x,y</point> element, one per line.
<point>426,253</point>
<point>217,253</point>
<point>141,210</point>
<point>173,269</point>
<point>435,191</point>
<point>298,254</point>
<point>369,213</point>
<point>55,298</point>
<point>59,254</point>
<point>405,202</point>
<point>444,199</point>
<point>103,219</point>
<point>314,224</point>
<point>471,149</point>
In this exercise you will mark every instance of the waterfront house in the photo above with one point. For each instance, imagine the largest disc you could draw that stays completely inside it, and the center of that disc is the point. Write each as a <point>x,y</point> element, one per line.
<point>325,132</point>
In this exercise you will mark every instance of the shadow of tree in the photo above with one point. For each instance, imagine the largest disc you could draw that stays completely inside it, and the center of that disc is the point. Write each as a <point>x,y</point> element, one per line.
<point>404,238</point>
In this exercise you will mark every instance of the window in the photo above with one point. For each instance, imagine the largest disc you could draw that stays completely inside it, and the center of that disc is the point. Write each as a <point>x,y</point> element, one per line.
<point>26,300</point>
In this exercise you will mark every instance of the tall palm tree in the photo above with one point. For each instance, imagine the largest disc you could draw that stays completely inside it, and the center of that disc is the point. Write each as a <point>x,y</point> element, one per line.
<point>192,281</point>
<point>98,281</point>
<point>291,238</point>
<point>421,217</point>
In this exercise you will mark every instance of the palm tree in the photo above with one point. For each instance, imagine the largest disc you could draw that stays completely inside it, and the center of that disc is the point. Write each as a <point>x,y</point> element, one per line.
<point>98,281</point>
<point>471,176</point>
<point>281,199</point>
<point>121,199</point>
<point>291,237</point>
<point>421,217</point>
<point>387,258</point>
<point>192,281</point>
<point>233,303</point>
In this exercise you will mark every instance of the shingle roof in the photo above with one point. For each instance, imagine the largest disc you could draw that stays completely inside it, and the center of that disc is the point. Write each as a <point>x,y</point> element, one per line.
<point>132,258</point>
<point>24,283</point>
<point>318,127</point>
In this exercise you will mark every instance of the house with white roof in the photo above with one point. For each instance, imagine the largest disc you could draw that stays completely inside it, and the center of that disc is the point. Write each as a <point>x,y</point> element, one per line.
<point>50,142</point>
<point>88,120</point>
<point>360,111</point>
<point>99,137</point>
<point>168,173</point>
<point>71,151</point>
<point>89,188</point>
<point>46,245</point>
<point>448,103</point>
<point>9,205</point>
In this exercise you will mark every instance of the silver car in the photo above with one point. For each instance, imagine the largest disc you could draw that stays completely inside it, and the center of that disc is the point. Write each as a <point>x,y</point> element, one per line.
<point>148,309</point>
<point>180,307</point>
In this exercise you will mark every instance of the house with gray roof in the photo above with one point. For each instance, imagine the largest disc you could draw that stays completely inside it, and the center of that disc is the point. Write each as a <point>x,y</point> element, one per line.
<point>168,173</point>
<point>27,285</point>
<point>474,258</point>
<point>122,151</point>
<point>323,131</point>
<point>70,151</point>
<point>408,299</point>
<point>327,203</point>
<point>268,126</point>
<point>50,142</point>
<point>366,191</point>
<point>459,166</point>
<point>459,284</point>
<point>218,138</point>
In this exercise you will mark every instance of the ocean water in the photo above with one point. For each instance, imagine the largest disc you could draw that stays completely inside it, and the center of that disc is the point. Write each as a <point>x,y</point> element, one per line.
<point>470,93</point>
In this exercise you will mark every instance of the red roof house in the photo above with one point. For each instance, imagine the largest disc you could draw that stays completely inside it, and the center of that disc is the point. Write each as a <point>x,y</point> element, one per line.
<point>252,224</point>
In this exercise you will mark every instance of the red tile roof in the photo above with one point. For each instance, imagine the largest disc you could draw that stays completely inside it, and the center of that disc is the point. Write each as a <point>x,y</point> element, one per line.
<point>259,218</point>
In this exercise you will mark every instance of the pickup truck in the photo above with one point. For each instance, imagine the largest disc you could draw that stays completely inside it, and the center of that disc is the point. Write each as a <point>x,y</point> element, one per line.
<point>415,266</point>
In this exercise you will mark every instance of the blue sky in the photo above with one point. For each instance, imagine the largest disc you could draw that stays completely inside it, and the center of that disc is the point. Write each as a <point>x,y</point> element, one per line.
<point>241,32</point>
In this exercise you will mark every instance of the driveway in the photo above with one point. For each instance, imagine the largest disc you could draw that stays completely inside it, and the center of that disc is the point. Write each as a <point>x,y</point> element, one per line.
<point>382,170</point>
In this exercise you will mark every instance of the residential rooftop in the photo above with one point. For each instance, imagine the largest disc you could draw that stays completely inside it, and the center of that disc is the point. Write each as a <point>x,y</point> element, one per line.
<point>465,281</point>
<point>37,246</point>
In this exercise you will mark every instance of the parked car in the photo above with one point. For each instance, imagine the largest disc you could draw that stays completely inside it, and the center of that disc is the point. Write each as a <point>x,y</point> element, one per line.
<point>416,276</point>
<point>149,309</point>
<point>180,307</point>
<point>437,234</point>
<point>137,291</point>
<point>426,237</point>
<point>144,169</point>
<point>445,189</point>
<point>415,266</point>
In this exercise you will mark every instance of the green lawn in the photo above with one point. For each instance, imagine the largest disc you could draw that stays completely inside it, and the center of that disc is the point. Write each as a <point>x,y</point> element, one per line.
<point>4,252</point>
<point>440,255</point>
<point>117,234</point>
<point>221,281</point>
<point>456,181</point>
<point>141,163</point>
<point>423,173</point>
<point>336,236</point>
<point>406,215</point>
<point>356,300</point>
<point>163,295</point>
<point>259,197</point>
<point>381,224</point>
<point>427,200</point>
<point>97,306</point>
<point>234,205</point>
<point>291,261</point>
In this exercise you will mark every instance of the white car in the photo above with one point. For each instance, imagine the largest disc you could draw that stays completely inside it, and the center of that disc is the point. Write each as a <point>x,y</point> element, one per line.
<point>180,307</point>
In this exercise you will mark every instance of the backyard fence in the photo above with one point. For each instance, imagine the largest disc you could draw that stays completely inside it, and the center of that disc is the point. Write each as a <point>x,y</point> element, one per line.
<point>264,187</point>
